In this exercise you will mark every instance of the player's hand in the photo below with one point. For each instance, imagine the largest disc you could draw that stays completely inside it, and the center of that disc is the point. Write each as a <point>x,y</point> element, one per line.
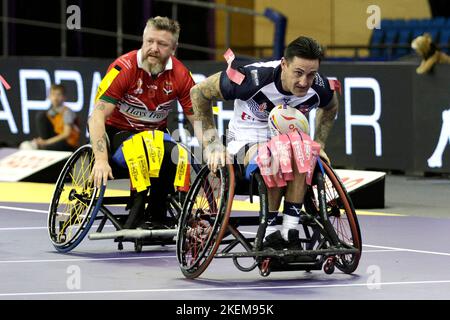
<point>324,156</point>
<point>39,142</point>
<point>216,156</point>
<point>100,173</point>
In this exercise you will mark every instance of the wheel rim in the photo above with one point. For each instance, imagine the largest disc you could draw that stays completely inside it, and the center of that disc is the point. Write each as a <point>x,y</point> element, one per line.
<point>343,219</point>
<point>73,199</point>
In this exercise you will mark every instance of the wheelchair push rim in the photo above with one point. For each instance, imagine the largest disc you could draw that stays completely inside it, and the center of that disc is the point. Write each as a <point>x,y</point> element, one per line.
<point>204,220</point>
<point>75,201</point>
<point>342,216</point>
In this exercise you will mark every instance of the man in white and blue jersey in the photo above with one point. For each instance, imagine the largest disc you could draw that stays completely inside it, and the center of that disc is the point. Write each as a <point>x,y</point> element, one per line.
<point>295,81</point>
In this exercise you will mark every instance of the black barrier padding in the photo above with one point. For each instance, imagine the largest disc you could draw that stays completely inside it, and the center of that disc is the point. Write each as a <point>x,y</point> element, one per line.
<point>47,175</point>
<point>370,196</point>
<point>410,123</point>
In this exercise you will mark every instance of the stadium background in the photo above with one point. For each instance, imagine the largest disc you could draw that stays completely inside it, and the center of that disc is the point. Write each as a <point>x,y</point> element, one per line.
<point>399,133</point>
<point>405,238</point>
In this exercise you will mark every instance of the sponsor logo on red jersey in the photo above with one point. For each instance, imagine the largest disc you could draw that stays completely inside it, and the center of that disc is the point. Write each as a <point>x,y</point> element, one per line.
<point>168,87</point>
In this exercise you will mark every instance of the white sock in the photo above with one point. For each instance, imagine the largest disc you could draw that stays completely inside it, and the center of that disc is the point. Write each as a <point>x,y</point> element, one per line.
<point>289,222</point>
<point>271,223</point>
<point>270,230</point>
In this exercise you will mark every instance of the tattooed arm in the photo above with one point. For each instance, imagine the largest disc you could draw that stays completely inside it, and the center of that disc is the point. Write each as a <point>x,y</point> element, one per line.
<point>101,169</point>
<point>324,123</point>
<point>202,94</point>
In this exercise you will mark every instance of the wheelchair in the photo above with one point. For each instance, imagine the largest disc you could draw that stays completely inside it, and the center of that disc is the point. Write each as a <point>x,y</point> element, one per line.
<point>76,205</point>
<point>332,237</point>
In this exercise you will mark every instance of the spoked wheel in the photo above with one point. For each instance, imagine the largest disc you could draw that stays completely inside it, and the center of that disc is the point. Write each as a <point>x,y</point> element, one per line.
<point>204,219</point>
<point>75,201</point>
<point>341,215</point>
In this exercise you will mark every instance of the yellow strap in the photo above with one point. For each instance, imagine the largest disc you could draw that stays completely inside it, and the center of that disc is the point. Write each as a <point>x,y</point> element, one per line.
<point>158,144</point>
<point>180,177</point>
<point>139,152</point>
<point>154,146</point>
<point>128,154</point>
<point>107,81</point>
<point>133,157</point>
<point>140,170</point>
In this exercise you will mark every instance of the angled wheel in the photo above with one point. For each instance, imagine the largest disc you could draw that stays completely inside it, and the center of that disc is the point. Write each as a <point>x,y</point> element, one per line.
<point>75,201</point>
<point>204,219</point>
<point>341,214</point>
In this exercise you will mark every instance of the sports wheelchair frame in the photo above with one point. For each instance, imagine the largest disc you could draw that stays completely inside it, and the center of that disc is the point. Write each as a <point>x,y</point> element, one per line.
<point>76,205</point>
<point>332,236</point>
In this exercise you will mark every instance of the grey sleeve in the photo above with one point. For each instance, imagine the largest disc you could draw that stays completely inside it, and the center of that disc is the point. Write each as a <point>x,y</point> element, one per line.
<point>69,117</point>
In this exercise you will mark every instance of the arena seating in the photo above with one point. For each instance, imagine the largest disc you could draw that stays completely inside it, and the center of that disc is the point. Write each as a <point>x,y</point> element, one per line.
<point>398,34</point>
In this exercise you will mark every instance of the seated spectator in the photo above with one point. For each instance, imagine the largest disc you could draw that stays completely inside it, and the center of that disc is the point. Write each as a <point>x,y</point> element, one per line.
<point>57,127</point>
<point>429,52</point>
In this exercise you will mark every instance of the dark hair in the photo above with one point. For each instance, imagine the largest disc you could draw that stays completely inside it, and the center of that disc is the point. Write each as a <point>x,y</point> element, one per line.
<point>59,87</point>
<point>303,47</point>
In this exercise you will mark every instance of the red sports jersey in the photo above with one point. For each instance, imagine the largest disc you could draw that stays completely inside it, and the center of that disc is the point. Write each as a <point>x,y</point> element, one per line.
<point>143,102</point>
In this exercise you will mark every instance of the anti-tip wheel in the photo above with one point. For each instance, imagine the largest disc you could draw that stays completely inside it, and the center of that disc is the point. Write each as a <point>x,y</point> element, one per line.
<point>328,267</point>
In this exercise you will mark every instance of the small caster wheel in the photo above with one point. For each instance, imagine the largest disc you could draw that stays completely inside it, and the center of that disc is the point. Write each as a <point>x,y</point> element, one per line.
<point>120,246</point>
<point>265,273</point>
<point>328,268</point>
<point>137,247</point>
<point>264,269</point>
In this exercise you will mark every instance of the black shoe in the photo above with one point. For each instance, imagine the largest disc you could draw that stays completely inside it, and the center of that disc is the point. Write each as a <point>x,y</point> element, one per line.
<point>274,241</point>
<point>294,242</point>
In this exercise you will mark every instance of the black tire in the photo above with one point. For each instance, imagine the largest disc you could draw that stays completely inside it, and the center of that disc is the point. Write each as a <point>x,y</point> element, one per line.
<point>75,201</point>
<point>204,220</point>
<point>341,215</point>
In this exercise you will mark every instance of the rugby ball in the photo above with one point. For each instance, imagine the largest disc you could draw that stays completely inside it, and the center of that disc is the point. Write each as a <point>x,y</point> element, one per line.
<point>284,119</point>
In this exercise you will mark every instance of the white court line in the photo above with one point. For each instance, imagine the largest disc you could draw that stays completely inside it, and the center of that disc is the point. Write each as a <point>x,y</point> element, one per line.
<point>83,259</point>
<point>22,228</point>
<point>34,210</point>
<point>23,209</point>
<point>42,228</point>
<point>377,251</point>
<point>408,250</point>
<point>348,285</point>
<point>118,258</point>
<point>254,233</point>
<point>391,248</point>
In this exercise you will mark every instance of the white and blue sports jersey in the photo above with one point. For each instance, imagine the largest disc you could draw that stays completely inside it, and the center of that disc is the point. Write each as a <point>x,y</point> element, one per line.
<point>258,94</point>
